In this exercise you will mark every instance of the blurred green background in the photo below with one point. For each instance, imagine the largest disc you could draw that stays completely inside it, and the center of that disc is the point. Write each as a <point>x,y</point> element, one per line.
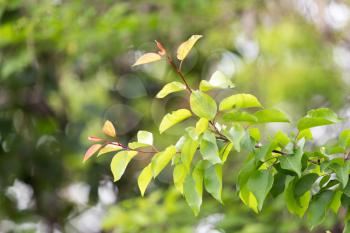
<point>65,68</point>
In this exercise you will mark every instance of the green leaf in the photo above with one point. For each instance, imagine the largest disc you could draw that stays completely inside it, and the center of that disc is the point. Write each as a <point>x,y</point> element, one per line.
<point>145,137</point>
<point>271,115</point>
<point>188,150</point>
<point>305,133</point>
<point>209,148</point>
<point>235,134</point>
<point>213,181</point>
<point>173,118</point>
<point>344,139</point>
<point>185,47</point>
<point>120,161</point>
<point>304,184</point>
<point>201,126</point>
<point>179,176</point>
<point>239,101</point>
<point>136,145</point>
<point>217,80</point>
<point>109,148</point>
<point>144,179</point>
<point>161,159</point>
<point>254,133</point>
<point>292,162</point>
<point>248,199</point>
<point>281,138</point>
<point>318,117</point>
<point>239,116</point>
<point>342,172</point>
<point>203,105</point>
<point>336,202</point>
<point>225,151</point>
<point>296,205</point>
<point>193,188</point>
<point>260,184</point>
<point>318,207</point>
<point>170,88</point>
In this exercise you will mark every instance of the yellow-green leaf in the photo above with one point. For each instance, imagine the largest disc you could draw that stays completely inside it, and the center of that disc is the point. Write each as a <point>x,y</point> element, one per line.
<point>186,47</point>
<point>109,148</point>
<point>217,80</point>
<point>145,137</point>
<point>161,159</point>
<point>109,129</point>
<point>173,118</point>
<point>201,125</point>
<point>144,179</point>
<point>120,161</point>
<point>147,58</point>
<point>203,105</point>
<point>170,88</point>
<point>239,101</point>
<point>179,176</point>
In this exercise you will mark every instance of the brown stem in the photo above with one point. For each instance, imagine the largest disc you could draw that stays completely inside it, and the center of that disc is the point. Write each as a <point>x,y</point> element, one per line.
<point>171,62</point>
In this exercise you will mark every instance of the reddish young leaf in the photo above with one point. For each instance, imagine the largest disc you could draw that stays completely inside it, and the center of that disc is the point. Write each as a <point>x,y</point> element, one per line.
<point>95,139</point>
<point>91,151</point>
<point>109,129</point>
<point>162,51</point>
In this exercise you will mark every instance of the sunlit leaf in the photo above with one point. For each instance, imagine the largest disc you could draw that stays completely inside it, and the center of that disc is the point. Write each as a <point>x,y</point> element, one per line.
<point>318,117</point>
<point>217,80</point>
<point>144,179</point>
<point>109,129</point>
<point>147,58</point>
<point>239,101</point>
<point>203,105</point>
<point>109,148</point>
<point>119,163</point>
<point>344,139</point>
<point>173,118</point>
<point>201,125</point>
<point>235,134</point>
<point>161,159</point>
<point>239,116</point>
<point>179,176</point>
<point>188,150</point>
<point>271,115</point>
<point>186,47</point>
<point>170,88</point>
<point>145,137</point>
<point>225,151</point>
<point>91,151</point>
<point>248,198</point>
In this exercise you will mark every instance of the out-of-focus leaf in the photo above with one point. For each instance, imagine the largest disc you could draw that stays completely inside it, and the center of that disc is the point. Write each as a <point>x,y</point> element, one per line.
<point>344,139</point>
<point>186,47</point>
<point>318,117</point>
<point>305,133</point>
<point>173,118</point>
<point>109,129</point>
<point>304,184</point>
<point>147,58</point>
<point>235,134</point>
<point>170,88</point>
<point>120,161</point>
<point>91,151</point>
<point>239,101</point>
<point>144,179</point>
<point>217,80</point>
<point>145,137</point>
<point>203,105</point>
<point>271,115</point>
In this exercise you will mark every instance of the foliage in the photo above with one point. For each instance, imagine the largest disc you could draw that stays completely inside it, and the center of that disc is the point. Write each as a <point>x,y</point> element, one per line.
<point>313,181</point>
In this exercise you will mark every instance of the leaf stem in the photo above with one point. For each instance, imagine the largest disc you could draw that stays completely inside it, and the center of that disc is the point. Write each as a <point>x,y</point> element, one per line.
<point>178,71</point>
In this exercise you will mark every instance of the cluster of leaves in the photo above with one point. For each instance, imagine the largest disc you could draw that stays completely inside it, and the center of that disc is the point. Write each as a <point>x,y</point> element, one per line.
<point>312,182</point>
